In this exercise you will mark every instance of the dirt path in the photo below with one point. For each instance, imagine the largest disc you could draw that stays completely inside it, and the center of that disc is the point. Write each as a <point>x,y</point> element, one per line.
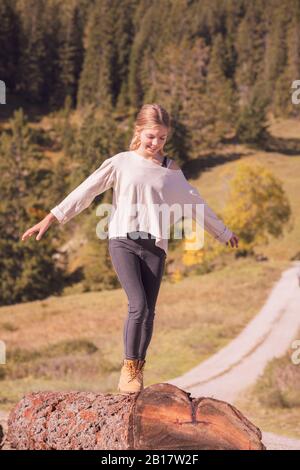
<point>238,365</point>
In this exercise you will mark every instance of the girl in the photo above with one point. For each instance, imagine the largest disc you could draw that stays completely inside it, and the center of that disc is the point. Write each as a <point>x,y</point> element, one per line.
<point>138,246</point>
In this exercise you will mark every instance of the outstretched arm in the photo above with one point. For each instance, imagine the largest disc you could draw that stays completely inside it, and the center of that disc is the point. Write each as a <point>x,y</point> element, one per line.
<point>210,221</point>
<point>82,196</point>
<point>79,199</point>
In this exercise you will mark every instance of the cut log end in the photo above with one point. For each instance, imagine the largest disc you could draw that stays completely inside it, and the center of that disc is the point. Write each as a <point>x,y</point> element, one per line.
<point>160,417</point>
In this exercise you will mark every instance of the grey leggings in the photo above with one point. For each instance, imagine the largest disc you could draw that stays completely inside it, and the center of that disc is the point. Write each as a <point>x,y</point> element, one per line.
<point>139,265</point>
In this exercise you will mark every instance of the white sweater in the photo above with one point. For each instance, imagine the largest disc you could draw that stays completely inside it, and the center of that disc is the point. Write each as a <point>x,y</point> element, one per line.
<point>140,187</point>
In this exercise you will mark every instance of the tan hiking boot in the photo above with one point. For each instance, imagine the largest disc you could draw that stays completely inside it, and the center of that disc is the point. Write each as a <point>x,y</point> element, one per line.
<point>141,366</point>
<point>130,381</point>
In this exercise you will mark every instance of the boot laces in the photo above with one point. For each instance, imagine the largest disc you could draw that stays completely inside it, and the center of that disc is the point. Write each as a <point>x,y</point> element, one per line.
<point>133,371</point>
<point>140,371</point>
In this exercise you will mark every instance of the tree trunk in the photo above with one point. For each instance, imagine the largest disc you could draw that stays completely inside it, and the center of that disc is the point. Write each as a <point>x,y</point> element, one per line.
<point>161,416</point>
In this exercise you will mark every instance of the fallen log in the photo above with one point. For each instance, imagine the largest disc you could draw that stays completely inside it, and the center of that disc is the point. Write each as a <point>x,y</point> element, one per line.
<point>161,416</point>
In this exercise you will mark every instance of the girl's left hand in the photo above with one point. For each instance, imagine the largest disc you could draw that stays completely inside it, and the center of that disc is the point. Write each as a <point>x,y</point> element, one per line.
<point>234,240</point>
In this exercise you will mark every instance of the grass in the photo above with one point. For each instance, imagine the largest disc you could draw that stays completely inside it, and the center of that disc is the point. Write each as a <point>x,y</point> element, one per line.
<point>76,341</point>
<point>273,403</point>
<point>214,187</point>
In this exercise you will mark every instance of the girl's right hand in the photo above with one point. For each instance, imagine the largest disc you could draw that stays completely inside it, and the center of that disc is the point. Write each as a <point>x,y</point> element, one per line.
<point>41,227</point>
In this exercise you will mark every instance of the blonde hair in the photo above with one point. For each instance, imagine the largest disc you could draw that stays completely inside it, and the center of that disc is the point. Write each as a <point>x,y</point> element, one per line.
<point>150,115</point>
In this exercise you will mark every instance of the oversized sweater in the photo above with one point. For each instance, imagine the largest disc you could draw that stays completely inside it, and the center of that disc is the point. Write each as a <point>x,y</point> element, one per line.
<point>142,189</point>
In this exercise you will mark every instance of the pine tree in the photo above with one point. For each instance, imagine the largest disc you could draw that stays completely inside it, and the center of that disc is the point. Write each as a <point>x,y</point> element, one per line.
<point>252,122</point>
<point>70,56</point>
<point>122,42</point>
<point>290,71</point>
<point>220,94</point>
<point>27,269</point>
<point>250,47</point>
<point>94,144</point>
<point>95,85</point>
<point>180,87</point>
<point>9,45</point>
<point>33,57</point>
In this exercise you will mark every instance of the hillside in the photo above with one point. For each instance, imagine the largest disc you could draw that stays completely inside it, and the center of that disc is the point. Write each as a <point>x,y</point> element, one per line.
<point>75,340</point>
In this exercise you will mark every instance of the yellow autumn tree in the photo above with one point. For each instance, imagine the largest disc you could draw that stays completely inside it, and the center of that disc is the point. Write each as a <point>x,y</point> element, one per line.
<point>258,207</point>
<point>199,258</point>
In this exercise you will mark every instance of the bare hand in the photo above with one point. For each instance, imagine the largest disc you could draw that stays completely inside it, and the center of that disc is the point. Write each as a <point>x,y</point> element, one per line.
<point>41,228</point>
<point>234,240</point>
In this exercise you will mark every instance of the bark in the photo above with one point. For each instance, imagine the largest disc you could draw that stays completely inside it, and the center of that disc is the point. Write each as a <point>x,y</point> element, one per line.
<point>161,416</point>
